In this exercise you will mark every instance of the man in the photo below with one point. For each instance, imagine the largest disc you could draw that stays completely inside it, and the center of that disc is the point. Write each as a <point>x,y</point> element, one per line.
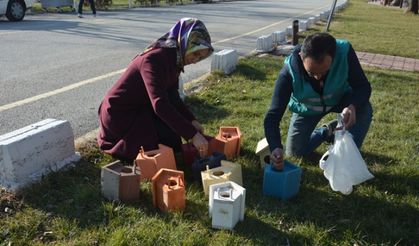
<point>321,76</point>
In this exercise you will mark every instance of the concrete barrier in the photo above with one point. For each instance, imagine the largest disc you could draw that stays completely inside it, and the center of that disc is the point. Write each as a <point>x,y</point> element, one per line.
<point>311,22</point>
<point>265,43</point>
<point>33,151</point>
<point>224,61</point>
<point>324,15</point>
<point>288,31</point>
<point>279,37</point>
<point>303,25</point>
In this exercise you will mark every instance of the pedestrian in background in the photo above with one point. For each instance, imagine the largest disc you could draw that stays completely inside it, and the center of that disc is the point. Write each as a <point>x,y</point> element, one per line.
<point>80,10</point>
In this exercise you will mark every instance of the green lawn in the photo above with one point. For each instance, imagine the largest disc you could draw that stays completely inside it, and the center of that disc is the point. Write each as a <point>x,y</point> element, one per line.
<point>66,208</point>
<point>382,211</point>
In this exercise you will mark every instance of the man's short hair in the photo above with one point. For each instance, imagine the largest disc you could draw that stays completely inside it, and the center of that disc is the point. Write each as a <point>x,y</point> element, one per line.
<point>318,45</point>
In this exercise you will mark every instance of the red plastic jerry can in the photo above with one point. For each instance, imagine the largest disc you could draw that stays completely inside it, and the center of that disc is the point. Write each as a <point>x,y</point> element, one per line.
<point>150,162</point>
<point>190,153</point>
<point>228,141</point>
<point>169,190</point>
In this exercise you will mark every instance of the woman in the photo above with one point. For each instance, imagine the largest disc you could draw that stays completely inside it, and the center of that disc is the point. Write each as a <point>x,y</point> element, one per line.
<point>143,108</point>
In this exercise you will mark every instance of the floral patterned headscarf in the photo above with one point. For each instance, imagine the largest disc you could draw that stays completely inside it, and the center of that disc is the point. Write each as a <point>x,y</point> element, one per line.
<point>187,36</point>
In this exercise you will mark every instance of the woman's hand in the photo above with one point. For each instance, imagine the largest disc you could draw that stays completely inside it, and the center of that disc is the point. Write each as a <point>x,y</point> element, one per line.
<point>277,158</point>
<point>201,144</point>
<point>198,126</point>
<point>349,116</point>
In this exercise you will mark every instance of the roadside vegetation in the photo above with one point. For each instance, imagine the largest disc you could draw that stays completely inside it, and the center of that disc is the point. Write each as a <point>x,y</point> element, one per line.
<point>66,208</point>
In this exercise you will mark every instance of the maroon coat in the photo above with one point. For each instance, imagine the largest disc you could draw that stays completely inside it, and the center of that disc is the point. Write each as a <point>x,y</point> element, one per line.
<point>142,92</point>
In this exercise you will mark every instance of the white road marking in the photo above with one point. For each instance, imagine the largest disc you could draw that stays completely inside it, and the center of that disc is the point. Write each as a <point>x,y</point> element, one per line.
<point>58,91</point>
<point>266,27</point>
<point>92,80</point>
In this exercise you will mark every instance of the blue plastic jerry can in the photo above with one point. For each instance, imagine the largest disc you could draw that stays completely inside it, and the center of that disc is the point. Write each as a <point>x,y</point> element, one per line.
<point>212,161</point>
<point>282,184</point>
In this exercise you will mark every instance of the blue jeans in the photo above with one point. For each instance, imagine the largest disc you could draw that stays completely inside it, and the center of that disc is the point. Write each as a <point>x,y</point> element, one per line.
<point>303,138</point>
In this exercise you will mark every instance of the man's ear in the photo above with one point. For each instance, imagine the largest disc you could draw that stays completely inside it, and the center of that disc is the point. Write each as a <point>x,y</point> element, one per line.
<point>301,55</point>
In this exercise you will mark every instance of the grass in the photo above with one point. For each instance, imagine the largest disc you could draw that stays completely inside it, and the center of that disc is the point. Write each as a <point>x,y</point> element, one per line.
<point>66,207</point>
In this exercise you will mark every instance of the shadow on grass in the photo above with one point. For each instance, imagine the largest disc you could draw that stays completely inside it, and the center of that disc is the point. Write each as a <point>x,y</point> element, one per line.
<point>263,233</point>
<point>370,157</point>
<point>249,72</point>
<point>205,111</point>
<point>374,218</point>
<point>75,194</point>
<point>72,194</point>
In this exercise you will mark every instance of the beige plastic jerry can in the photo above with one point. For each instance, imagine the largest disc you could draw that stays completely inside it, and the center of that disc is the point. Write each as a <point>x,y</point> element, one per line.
<point>227,141</point>
<point>169,190</point>
<point>228,171</point>
<point>150,162</point>
<point>263,151</point>
<point>120,183</point>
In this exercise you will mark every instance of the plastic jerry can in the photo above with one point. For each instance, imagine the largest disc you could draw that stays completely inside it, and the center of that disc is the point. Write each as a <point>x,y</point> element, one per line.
<point>228,141</point>
<point>169,190</point>
<point>150,162</point>
<point>263,151</point>
<point>120,183</point>
<point>282,184</point>
<point>228,171</point>
<point>211,161</point>
<point>226,204</point>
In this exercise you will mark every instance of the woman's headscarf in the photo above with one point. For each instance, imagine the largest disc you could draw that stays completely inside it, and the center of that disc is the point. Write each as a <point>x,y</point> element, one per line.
<point>187,36</point>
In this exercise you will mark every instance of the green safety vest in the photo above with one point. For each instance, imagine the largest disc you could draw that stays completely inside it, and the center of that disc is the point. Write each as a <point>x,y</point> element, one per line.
<point>306,101</point>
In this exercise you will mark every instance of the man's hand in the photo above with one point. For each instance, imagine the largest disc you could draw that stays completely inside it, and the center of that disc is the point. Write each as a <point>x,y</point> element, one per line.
<point>277,158</point>
<point>349,116</point>
<point>201,144</point>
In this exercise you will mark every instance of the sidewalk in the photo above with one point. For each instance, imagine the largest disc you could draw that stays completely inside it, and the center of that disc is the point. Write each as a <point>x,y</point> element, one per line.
<point>388,62</point>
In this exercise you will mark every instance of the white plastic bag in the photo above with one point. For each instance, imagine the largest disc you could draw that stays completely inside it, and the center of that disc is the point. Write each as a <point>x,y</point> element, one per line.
<point>343,164</point>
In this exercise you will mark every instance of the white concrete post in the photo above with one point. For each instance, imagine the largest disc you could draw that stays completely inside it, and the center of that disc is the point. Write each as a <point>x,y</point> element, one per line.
<point>224,61</point>
<point>265,43</point>
<point>33,151</point>
<point>279,37</point>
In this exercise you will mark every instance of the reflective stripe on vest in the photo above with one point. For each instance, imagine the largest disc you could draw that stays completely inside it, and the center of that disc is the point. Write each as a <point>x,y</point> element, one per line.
<point>304,100</point>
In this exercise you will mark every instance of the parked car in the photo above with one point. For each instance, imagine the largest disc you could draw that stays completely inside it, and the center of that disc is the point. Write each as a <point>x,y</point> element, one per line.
<point>15,9</point>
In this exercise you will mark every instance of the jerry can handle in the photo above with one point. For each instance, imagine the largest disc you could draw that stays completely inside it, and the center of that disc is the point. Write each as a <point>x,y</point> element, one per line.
<point>136,169</point>
<point>142,151</point>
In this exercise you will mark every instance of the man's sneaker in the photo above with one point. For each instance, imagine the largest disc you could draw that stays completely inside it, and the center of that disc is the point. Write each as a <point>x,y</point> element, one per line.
<point>330,126</point>
<point>80,16</point>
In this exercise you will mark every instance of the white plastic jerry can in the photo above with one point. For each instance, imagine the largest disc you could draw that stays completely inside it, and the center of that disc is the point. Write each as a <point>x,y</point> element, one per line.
<point>228,171</point>
<point>226,204</point>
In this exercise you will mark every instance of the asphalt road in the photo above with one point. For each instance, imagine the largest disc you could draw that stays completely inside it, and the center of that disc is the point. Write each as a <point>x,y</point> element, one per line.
<point>59,66</point>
